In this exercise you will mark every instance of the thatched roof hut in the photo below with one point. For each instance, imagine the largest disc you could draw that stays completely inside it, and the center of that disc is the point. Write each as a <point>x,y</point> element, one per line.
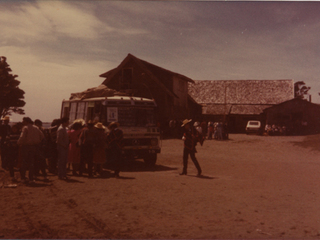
<point>240,96</point>
<point>237,101</point>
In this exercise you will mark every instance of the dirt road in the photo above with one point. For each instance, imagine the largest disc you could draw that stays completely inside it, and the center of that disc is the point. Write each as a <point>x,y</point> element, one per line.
<point>252,187</point>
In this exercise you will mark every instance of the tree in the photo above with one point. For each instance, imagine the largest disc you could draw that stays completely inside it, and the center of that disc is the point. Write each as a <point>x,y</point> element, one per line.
<point>300,89</point>
<point>10,94</point>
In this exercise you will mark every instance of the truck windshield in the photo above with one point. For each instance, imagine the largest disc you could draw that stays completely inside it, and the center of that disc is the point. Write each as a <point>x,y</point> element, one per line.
<point>136,117</point>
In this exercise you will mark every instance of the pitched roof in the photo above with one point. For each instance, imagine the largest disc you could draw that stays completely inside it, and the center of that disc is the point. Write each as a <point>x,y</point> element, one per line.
<point>294,102</point>
<point>155,73</point>
<point>241,91</point>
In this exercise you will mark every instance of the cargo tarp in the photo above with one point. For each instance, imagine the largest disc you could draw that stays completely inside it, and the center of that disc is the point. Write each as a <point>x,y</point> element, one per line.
<point>100,91</point>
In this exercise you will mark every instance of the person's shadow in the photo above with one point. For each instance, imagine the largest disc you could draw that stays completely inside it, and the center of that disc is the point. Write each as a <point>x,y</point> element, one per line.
<point>37,184</point>
<point>140,166</point>
<point>72,180</point>
<point>204,177</point>
<point>109,174</point>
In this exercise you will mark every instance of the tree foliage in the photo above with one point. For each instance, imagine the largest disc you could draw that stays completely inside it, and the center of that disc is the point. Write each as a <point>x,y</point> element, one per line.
<point>11,96</point>
<point>300,89</point>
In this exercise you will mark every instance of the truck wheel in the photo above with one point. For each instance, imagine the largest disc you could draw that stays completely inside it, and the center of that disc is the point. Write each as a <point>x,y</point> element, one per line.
<point>150,159</point>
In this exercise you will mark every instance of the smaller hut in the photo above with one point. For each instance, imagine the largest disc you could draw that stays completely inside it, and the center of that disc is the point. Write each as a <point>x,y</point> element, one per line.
<point>297,115</point>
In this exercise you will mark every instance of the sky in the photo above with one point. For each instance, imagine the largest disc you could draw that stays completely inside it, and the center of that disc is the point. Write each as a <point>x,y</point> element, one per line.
<point>61,47</point>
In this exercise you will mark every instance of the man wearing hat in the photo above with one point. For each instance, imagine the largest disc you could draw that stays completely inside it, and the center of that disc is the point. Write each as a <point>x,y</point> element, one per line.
<point>190,137</point>
<point>114,141</point>
<point>5,130</point>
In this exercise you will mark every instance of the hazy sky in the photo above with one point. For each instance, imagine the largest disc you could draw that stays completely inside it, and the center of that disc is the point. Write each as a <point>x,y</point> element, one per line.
<point>60,47</point>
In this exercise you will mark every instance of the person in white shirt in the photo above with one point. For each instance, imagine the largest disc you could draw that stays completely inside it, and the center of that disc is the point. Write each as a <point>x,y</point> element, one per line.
<point>63,148</point>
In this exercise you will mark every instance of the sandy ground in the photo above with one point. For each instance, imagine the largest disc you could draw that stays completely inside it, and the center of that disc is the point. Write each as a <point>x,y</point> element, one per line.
<point>252,187</point>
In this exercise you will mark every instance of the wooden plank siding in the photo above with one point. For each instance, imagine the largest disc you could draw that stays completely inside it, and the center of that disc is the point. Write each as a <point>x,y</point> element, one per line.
<point>167,88</point>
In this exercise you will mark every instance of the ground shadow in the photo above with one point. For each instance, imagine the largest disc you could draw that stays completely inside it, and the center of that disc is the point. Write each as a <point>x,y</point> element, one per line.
<point>104,174</point>
<point>203,177</point>
<point>72,180</point>
<point>36,184</point>
<point>44,180</point>
<point>140,166</point>
<point>126,178</point>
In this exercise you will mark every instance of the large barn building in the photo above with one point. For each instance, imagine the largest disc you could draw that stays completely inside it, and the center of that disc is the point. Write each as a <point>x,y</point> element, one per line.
<point>143,79</point>
<point>179,97</point>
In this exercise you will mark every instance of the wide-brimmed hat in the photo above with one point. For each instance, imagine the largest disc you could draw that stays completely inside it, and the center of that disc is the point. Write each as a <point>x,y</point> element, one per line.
<point>81,121</point>
<point>99,125</point>
<point>6,118</point>
<point>114,124</point>
<point>186,121</point>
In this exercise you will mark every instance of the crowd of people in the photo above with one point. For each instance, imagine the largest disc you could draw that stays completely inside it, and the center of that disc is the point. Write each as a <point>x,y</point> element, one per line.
<point>81,147</point>
<point>290,128</point>
<point>212,130</point>
<point>276,130</point>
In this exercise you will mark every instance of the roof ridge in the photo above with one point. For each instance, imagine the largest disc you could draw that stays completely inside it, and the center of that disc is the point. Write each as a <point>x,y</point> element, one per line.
<point>161,68</point>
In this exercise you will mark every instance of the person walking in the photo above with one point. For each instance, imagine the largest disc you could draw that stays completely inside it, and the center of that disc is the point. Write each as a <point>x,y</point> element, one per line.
<point>63,147</point>
<point>190,137</point>
<point>29,140</point>
<point>114,142</point>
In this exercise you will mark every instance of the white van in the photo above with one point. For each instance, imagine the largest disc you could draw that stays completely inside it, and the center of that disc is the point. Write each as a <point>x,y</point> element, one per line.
<point>253,126</point>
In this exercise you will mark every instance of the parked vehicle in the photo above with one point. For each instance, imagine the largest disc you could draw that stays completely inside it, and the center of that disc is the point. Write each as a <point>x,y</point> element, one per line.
<point>136,116</point>
<point>253,126</point>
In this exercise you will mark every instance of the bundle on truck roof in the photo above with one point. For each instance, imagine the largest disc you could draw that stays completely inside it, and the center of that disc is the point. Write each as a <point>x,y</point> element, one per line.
<point>100,91</point>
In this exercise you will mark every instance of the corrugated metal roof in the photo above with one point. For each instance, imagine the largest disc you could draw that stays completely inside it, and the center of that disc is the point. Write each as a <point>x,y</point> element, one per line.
<point>241,91</point>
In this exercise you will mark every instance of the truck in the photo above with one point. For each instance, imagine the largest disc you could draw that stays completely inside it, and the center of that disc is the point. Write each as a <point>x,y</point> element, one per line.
<point>136,116</point>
